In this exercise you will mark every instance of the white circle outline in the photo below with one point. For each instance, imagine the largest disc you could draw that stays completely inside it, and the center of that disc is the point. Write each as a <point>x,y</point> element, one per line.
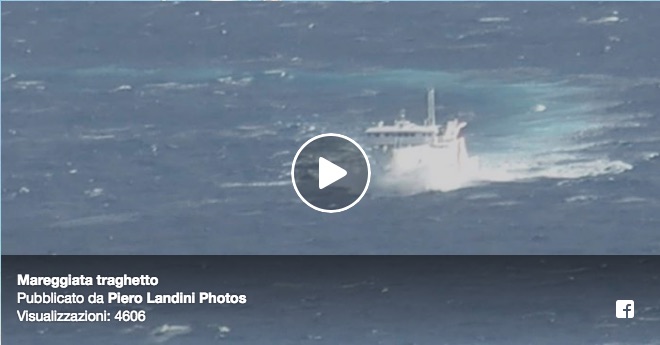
<point>293,168</point>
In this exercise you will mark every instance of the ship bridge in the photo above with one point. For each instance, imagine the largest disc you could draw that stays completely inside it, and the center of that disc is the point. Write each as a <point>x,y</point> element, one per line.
<point>404,132</point>
<point>419,146</point>
<point>401,133</point>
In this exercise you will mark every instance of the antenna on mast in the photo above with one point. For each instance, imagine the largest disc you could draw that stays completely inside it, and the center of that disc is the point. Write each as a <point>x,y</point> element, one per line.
<point>431,107</point>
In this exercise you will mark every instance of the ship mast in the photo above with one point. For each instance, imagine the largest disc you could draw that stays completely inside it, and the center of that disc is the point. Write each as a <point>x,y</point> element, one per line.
<point>431,107</point>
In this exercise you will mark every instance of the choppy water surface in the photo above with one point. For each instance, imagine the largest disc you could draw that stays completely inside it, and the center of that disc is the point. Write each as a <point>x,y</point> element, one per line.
<point>170,127</point>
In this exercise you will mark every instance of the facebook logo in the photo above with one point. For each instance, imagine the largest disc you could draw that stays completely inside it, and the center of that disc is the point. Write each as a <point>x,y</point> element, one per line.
<point>625,309</point>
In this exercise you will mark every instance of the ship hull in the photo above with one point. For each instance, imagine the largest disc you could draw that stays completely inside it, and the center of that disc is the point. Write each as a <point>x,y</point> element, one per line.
<point>427,167</point>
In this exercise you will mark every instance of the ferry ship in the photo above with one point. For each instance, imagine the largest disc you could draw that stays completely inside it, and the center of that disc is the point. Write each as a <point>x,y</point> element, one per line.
<point>409,146</point>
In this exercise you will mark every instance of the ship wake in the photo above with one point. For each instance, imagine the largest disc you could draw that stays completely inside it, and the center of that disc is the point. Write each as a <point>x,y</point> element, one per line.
<point>440,175</point>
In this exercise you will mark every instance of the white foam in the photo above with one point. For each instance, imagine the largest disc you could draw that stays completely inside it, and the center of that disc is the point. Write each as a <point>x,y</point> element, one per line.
<point>650,155</point>
<point>482,196</point>
<point>259,184</point>
<point>539,108</point>
<point>176,86</point>
<point>95,192</point>
<point>581,198</point>
<point>124,87</point>
<point>30,84</point>
<point>630,199</point>
<point>281,153</point>
<point>424,168</point>
<point>406,177</point>
<point>528,169</point>
<point>602,20</point>
<point>166,332</point>
<point>97,136</point>
<point>96,220</point>
<point>278,72</point>
<point>494,19</point>
<point>254,131</point>
<point>505,203</point>
<point>229,80</point>
<point>608,19</point>
<point>9,77</point>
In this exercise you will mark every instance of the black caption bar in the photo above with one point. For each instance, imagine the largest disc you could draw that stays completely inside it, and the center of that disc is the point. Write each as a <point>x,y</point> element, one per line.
<point>330,300</point>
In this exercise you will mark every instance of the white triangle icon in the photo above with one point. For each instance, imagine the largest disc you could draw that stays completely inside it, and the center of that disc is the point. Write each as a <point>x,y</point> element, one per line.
<point>329,173</point>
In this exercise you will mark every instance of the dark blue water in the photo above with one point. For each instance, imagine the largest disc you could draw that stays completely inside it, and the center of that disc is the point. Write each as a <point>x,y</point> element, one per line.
<point>170,127</point>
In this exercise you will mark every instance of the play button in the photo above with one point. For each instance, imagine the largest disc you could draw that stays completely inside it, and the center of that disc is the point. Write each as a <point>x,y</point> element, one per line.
<point>330,173</point>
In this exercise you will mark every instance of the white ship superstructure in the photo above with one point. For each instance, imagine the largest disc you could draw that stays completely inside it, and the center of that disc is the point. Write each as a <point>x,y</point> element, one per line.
<point>413,147</point>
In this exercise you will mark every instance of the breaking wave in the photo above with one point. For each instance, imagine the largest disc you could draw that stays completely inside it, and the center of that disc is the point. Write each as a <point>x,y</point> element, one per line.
<point>520,130</point>
<point>434,177</point>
